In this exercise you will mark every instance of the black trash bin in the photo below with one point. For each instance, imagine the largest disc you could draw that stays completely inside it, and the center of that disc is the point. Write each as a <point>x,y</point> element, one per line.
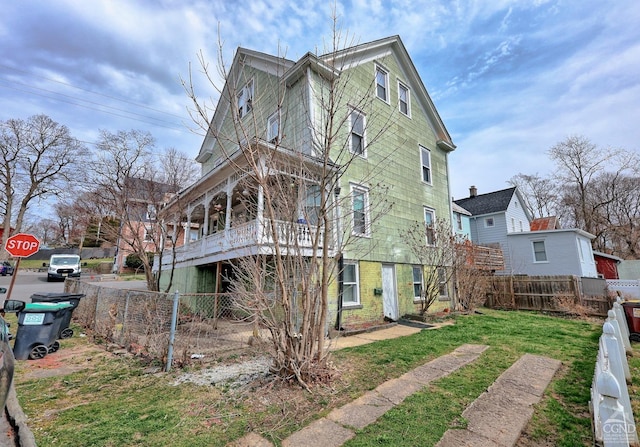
<point>73,298</point>
<point>38,329</point>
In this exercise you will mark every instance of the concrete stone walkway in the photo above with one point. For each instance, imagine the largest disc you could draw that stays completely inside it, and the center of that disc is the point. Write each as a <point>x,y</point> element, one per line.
<point>495,419</point>
<point>339,425</point>
<point>499,415</point>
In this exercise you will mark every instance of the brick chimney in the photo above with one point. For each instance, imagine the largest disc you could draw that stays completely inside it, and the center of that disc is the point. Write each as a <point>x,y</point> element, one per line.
<point>473,191</point>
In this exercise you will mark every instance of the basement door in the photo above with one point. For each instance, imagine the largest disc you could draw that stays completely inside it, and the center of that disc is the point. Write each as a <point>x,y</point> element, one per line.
<point>389,292</point>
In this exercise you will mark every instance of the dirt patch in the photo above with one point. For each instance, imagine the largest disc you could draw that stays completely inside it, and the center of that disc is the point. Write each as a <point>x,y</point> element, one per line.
<point>62,362</point>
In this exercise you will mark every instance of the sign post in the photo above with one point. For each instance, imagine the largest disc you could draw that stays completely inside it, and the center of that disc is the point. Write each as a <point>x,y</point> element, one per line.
<point>21,245</point>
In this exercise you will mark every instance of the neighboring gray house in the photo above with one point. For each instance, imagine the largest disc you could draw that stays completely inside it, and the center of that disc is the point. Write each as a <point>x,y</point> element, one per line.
<point>532,248</point>
<point>552,252</point>
<point>494,216</point>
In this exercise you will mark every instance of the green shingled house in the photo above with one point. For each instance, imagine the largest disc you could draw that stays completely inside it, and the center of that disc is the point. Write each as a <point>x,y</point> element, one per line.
<point>376,166</point>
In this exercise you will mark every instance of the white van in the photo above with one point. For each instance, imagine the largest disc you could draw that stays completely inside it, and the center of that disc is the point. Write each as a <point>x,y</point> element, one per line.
<point>61,266</point>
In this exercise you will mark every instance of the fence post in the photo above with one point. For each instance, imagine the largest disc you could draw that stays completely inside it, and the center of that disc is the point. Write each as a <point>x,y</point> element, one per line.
<point>610,413</point>
<point>611,318</point>
<point>622,322</point>
<point>172,334</point>
<point>615,366</point>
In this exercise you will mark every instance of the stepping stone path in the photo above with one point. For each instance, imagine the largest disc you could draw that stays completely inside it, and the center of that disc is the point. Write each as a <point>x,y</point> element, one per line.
<point>337,428</point>
<point>498,416</point>
<point>495,419</point>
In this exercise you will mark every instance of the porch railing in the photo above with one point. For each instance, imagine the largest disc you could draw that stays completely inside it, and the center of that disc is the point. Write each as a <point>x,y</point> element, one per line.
<point>288,234</point>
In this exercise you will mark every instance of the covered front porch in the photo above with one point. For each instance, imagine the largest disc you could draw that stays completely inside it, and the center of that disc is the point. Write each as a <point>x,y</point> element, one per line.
<point>237,215</point>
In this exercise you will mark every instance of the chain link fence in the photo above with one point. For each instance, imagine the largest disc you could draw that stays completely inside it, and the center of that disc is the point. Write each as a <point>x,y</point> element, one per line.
<point>207,324</point>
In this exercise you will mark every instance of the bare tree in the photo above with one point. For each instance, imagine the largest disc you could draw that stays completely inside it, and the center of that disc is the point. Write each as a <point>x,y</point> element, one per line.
<point>132,183</point>
<point>434,245</point>
<point>40,159</point>
<point>579,163</point>
<point>539,193</point>
<point>293,184</point>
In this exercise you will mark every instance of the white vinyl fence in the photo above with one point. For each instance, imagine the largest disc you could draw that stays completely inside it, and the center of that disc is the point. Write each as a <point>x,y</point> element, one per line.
<point>629,288</point>
<point>614,424</point>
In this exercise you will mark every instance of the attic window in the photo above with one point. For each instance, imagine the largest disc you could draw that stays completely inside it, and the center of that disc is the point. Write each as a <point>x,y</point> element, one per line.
<point>489,222</point>
<point>245,99</point>
<point>382,84</point>
<point>403,99</point>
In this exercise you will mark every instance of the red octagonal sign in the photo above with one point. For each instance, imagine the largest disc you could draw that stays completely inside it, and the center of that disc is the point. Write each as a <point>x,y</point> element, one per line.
<point>22,245</point>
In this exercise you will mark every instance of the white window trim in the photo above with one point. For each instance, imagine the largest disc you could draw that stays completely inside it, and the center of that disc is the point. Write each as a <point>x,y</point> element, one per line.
<point>356,285</point>
<point>533,248</point>
<point>367,222</point>
<point>433,223</point>
<point>402,85</point>
<point>459,225</point>
<point>422,150</point>
<point>442,280</point>
<point>486,222</point>
<point>353,110</point>
<point>380,68</point>
<point>247,92</point>
<point>274,118</point>
<point>421,283</point>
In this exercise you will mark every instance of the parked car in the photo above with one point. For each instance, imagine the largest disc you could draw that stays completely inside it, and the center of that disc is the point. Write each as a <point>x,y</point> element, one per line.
<point>6,268</point>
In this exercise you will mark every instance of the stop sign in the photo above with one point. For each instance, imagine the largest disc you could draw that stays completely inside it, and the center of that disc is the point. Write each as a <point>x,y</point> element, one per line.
<point>22,245</point>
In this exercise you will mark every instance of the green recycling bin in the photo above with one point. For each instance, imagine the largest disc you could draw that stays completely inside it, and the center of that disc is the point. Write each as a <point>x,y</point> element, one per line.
<point>73,298</point>
<point>38,329</point>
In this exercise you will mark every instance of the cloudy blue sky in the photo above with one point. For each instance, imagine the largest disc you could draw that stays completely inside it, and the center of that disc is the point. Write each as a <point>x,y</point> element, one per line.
<point>510,78</point>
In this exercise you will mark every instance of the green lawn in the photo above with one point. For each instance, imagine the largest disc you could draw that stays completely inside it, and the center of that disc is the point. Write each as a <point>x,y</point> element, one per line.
<point>116,402</point>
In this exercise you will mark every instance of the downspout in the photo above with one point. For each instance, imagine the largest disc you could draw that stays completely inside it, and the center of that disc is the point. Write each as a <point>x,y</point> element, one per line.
<point>452,302</point>
<point>340,259</point>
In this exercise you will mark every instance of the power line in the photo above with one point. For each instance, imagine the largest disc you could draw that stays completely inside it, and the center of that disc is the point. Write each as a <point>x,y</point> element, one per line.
<point>173,127</point>
<point>91,91</point>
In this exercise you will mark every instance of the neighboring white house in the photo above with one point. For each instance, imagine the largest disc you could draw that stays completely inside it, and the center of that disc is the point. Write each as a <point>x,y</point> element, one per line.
<point>494,216</point>
<point>552,252</point>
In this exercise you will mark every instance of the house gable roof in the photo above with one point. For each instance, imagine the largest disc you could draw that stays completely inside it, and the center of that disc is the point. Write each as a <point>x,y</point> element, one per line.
<point>393,45</point>
<point>489,203</point>
<point>330,64</point>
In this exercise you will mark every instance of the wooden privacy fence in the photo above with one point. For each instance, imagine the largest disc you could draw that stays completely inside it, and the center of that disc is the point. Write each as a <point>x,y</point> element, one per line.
<point>549,294</point>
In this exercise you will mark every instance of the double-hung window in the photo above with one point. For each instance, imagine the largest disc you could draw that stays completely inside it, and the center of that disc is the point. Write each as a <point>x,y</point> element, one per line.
<point>417,283</point>
<point>403,99</point>
<point>539,251</point>
<point>350,284</point>
<point>382,84</point>
<point>360,210</point>
<point>429,225</point>
<point>425,161</point>
<point>357,125</point>
<point>245,99</point>
<point>443,290</point>
<point>273,128</point>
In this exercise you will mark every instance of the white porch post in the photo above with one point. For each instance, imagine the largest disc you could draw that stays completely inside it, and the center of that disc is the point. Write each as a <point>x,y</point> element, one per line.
<point>187,230</point>
<point>260,210</point>
<point>205,225</point>
<point>227,217</point>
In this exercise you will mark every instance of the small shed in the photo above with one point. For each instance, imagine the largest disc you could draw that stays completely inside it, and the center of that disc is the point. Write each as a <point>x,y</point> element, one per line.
<point>607,265</point>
